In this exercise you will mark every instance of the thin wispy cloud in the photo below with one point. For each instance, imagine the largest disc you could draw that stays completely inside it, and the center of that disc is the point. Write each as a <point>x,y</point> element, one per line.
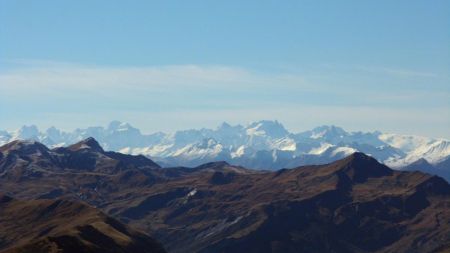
<point>96,79</point>
<point>65,94</point>
<point>400,73</point>
<point>47,78</point>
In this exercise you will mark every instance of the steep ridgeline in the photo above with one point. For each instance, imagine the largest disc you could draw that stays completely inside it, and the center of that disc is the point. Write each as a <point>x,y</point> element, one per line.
<point>84,163</point>
<point>260,145</point>
<point>441,168</point>
<point>352,205</point>
<point>64,226</point>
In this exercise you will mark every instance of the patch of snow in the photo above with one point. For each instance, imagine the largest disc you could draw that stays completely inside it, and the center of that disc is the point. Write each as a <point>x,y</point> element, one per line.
<point>320,150</point>
<point>406,143</point>
<point>192,193</point>
<point>126,150</point>
<point>84,146</point>
<point>318,135</point>
<point>58,145</point>
<point>284,144</point>
<point>346,151</point>
<point>239,152</point>
<point>256,131</point>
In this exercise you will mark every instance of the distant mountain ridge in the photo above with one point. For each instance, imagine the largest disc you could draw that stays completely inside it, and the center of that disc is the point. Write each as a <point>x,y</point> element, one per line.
<point>441,169</point>
<point>263,144</point>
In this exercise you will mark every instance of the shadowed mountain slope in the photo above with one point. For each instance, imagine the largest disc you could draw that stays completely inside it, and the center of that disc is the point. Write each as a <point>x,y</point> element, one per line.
<point>441,169</point>
<point>352,205</point>
<point>65,226</point>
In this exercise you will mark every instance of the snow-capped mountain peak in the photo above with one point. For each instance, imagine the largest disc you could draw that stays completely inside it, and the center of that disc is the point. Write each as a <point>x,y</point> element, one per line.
<point>263,144</point>
<point>328,132</point>
<point>117,126</point>
<point>26,132</point>
<point>272,129</point>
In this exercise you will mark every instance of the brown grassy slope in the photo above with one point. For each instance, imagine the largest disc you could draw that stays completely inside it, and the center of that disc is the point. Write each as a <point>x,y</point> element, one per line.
<point>65,226</point>
<point>352,205</point>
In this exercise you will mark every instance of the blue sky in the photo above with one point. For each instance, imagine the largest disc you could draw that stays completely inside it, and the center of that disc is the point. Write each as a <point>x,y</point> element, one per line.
<point>160,65</point>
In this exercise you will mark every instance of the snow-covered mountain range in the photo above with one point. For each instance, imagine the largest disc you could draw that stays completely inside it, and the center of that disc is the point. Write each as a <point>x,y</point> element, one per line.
<point>263,144</point>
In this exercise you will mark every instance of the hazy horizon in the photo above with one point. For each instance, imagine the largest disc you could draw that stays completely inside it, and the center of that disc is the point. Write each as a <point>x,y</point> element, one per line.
<point>163,66</point>
<point>243,124</point>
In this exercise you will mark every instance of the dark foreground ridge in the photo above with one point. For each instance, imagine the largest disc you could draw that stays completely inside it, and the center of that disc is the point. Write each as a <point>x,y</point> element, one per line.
<point>66,226</point>
<point>352,205</point>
